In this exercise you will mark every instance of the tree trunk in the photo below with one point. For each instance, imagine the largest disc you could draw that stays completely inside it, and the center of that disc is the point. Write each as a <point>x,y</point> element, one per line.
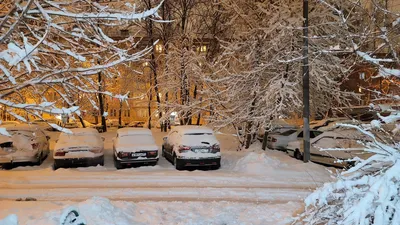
<point>101,104</point>
<point>120,114</point>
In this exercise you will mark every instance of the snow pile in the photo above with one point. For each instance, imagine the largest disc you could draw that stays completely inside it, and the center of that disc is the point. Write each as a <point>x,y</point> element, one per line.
<point>257,163</point>
<point>101,211</point>
<point>368,193</point>
<point>10,220</point>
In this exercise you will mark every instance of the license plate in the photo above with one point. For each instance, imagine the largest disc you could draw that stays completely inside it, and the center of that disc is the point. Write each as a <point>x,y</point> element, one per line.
<point>138,154</point>
<point>202,150</point>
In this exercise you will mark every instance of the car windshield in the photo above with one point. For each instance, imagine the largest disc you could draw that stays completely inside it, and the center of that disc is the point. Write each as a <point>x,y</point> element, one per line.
<point>288,132</point>
<point>136,139</point>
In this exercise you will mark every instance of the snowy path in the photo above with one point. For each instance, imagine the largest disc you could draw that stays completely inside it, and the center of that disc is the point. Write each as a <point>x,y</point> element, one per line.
<point>247,181</point>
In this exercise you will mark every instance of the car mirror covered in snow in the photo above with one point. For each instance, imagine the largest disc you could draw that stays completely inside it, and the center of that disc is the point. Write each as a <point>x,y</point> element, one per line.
<point>165,138</point>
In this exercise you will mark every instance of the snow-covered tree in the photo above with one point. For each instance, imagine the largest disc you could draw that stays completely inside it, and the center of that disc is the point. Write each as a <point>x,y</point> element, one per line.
<point>258,76</point>
<point>368,193</point>
<point>62,46</point>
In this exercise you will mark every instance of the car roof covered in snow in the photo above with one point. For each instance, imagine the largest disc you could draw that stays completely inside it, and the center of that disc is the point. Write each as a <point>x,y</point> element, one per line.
<point>133,131</point>
<point>187,129</point>
<point>29,127</point>
<point>84,131</point>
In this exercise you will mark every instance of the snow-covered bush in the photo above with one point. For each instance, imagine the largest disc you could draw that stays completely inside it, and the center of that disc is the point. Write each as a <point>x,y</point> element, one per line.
<point>367,193</point>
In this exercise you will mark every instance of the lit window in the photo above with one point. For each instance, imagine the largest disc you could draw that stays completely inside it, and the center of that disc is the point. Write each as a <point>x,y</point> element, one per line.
<point>360,89</point>
<point>362,76</point>
<point>203,48</point>
<point>146,64</point>
<point>159,48</point>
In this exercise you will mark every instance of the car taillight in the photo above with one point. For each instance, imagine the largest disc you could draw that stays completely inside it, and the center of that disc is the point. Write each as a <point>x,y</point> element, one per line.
<point>123,154</point>
<point>215,148</point>
<point>60,153</point>
<point>35,145</point>
<point>183,148</point>
<point>153,153</point>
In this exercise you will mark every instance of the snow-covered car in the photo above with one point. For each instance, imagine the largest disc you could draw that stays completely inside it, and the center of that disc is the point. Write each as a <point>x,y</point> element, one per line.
<point>43,124</point>
<point>27,143</point>
<point>280,140</point>
<point>134,146</point>
<point>337,139</point>
<point>9,122</point>
<point>81,147</point>
<point>188,146</point>
<point>136,124</point>
<point>276,127</point>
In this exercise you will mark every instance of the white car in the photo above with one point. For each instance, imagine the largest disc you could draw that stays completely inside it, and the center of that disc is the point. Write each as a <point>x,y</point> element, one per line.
<point>134,146</point>
<point>281,141</point>
<point>27,143</point>
<point>338,139</point>
<point>188,146</point>
<point>9,122</point>
<point>82,147</point>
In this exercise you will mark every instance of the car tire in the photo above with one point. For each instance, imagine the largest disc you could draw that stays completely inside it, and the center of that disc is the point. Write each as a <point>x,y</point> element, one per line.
<point>177,163</point>
<point>162,151</point>
<point>55,167</point>
<point>40,159</point>
<point>118,165</point>
<point>298,155</point>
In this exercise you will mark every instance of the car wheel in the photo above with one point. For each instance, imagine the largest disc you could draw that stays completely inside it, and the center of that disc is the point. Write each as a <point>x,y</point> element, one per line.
<point>177,163</point>
<point>298,155</point>
<point>55,167</point>
<point>40,160</point>
<point>118,165</point>
<point>162,151</point>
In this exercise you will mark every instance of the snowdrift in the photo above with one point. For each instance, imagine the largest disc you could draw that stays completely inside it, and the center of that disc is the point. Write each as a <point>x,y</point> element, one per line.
<point>257,163</point>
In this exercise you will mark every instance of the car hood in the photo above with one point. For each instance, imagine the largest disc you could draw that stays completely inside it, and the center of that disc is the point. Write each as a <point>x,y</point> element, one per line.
<point>135,148</point>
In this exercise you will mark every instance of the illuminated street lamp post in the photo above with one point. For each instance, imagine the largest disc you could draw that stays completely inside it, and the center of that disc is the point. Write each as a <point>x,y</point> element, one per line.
<point>306,86</point>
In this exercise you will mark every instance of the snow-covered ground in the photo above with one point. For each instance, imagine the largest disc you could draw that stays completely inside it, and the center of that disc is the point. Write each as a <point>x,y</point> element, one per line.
<point>252,187</point>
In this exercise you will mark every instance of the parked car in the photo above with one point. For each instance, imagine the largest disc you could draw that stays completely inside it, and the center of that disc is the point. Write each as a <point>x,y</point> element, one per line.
<point>134,146</point>
<point>337,139</point>
<point>136,124</point>
<point>188,146</point>
<point>82,147</point>
<point>9,122</point>
<point>280,140</point>
<point>27,143</point>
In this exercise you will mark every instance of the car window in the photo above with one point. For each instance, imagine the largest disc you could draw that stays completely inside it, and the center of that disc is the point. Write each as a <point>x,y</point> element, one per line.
<point>288,132</point>
<point>300,135</point>
<point>200,134</point>
<point>314,134</point>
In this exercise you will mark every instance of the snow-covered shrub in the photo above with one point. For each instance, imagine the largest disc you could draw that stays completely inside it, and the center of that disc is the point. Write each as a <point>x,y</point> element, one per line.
<point>367,193</point>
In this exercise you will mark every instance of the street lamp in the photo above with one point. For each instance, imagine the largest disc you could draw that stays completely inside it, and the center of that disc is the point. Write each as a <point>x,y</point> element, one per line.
<point>306,86</point>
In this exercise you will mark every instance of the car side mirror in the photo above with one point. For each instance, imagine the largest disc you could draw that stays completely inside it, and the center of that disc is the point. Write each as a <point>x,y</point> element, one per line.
<point>165,138</point>
<point>102,138</point>
<point>48,137</point>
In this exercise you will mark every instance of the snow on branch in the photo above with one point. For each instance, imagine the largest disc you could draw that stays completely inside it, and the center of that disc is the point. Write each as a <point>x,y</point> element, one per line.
<point>48,47</point>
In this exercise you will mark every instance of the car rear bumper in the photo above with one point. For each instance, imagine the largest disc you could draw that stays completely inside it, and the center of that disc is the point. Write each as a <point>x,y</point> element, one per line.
<point>18,159</point>
<point>200,162</point>
<point>71,162</point>
<point>136,161</point>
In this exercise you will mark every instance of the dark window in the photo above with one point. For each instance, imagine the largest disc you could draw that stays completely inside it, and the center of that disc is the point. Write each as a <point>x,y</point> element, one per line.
<point>288,132</point>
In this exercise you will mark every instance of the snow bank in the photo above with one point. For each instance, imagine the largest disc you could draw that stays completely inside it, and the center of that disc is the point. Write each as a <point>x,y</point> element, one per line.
<point>102,211</point>
<point>257,163</point>
<point>10,220</point>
